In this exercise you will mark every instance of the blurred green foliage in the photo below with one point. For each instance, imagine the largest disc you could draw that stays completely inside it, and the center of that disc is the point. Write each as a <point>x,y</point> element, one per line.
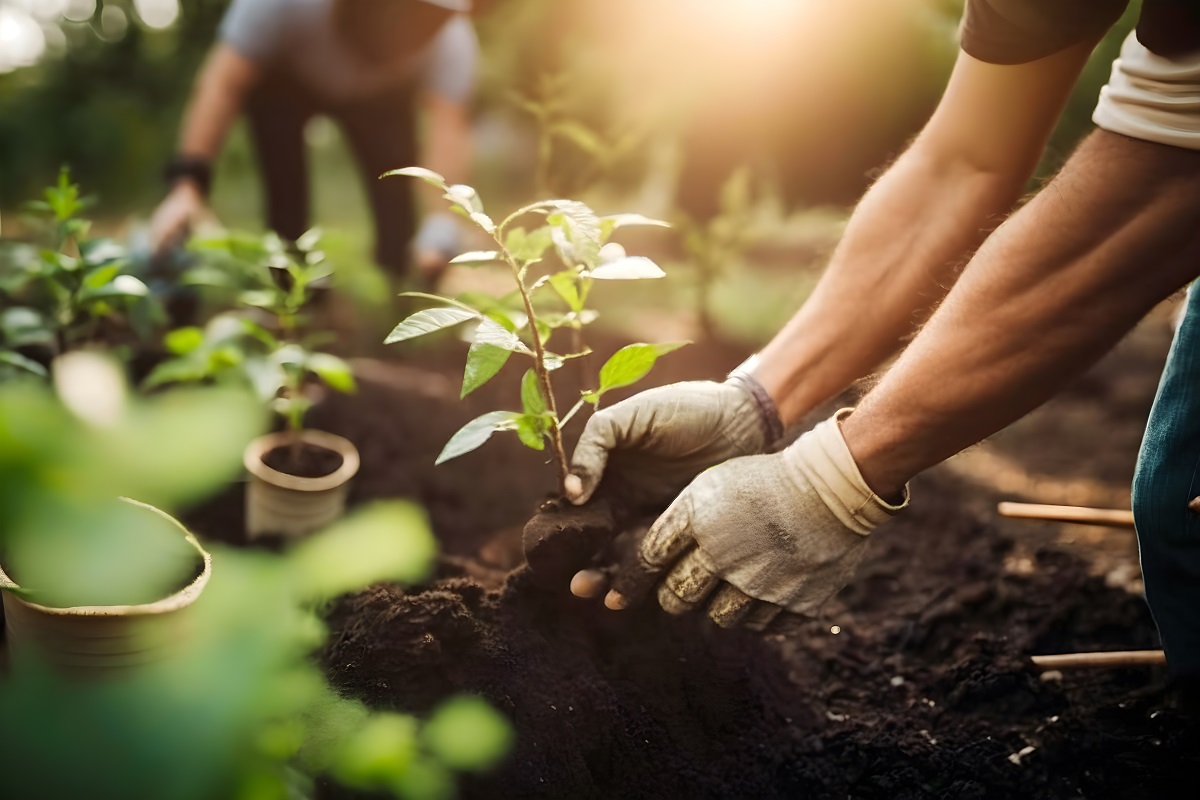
<point>240,710</point>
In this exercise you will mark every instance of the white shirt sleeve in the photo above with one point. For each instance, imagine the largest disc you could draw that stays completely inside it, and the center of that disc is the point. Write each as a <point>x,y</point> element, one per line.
<point>452,60</point>
<point>257,29</point>
<point>1151,97</point>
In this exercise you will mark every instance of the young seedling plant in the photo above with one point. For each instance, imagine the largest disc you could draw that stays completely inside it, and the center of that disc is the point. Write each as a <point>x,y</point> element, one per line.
<point>579,239</point>
<point>61,296</point>
<point>270,355</point>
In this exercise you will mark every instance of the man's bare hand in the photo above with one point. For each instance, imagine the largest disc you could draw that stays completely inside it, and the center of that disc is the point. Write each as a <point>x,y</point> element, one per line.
<point>180,213</point>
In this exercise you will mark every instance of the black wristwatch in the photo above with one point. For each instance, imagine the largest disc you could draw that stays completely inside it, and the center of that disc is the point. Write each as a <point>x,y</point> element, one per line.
<point>197,169</point>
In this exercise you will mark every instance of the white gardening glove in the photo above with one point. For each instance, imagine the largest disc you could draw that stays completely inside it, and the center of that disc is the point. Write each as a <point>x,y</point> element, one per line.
<point>757,534</point>
<point>653,444</point>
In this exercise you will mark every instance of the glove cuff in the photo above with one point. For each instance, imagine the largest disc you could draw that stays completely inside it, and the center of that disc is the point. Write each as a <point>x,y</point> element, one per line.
<point>743,378</point>
<point>822,456</point>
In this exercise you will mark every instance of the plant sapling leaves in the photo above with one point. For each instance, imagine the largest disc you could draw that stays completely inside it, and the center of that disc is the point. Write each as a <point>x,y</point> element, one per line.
<point>335,372</point>
<point>429,321</point>
<point>476,257</point>
<point>427,175</point>
<point>629,365</point>
<point>476,432</point>
<point>531,431</point>
<point>483,362</point>
<point>533,401</point>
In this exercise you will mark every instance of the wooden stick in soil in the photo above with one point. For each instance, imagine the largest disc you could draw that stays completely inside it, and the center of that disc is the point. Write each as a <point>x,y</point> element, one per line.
<point>1107,517</point>
<point>1111,660</point>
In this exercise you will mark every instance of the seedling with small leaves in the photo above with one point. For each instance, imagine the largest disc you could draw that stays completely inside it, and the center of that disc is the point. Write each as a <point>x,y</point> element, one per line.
<point>68,289</point>
<point>578,239</point>
<point>266,352</point>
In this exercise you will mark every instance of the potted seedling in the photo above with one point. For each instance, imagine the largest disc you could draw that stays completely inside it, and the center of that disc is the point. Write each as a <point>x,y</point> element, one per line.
<point>90,580</point>
<point>299,477</point>
<point>554,263</point>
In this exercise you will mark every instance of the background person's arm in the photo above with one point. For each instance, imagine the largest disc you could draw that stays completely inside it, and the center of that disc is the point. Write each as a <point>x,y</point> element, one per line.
<point>446,151</point>
<point>911,233</point>
<point>217,99</point>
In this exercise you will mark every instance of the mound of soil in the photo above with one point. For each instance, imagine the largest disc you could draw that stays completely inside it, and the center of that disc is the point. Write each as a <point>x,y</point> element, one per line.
<point>915,684</point>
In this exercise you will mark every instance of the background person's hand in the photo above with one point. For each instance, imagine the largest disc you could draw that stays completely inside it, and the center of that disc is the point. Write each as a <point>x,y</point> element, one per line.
<point>180,212</point>
<point>757,534</point>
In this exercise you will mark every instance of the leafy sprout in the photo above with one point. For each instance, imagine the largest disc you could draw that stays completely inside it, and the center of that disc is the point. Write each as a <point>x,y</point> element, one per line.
<point>262,344</point>
<point>566,231</point>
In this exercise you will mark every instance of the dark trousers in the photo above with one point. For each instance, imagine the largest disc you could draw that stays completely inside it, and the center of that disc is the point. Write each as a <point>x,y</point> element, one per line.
<point>381,134</point>
<point>1167,477</point>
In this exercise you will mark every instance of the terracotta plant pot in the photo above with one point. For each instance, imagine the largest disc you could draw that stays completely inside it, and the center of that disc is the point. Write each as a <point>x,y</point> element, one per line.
<point>288,505</point>
<point>95,639</point>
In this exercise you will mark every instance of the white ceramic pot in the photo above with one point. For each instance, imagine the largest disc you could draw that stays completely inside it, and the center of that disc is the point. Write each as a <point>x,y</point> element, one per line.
<point>94,639</point>
<point>287,505</point>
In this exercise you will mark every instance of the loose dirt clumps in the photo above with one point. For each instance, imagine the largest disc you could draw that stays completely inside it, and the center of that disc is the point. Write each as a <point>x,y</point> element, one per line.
<point>915,683</point>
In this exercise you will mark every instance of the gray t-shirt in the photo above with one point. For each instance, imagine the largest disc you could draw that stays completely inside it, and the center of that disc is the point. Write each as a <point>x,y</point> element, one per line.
<point>297,37</point>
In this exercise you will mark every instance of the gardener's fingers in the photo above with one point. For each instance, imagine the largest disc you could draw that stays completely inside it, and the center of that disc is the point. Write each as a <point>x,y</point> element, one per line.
<point>591,455</point>
<point>589,583</point>
<point>730,606</point>
<point>642,567</point>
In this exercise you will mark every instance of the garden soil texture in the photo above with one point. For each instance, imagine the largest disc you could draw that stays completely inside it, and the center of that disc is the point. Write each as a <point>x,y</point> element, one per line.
<point>916,682</point>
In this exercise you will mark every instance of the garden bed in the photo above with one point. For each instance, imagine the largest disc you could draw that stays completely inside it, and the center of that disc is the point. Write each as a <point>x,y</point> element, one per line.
<point>924,691</point>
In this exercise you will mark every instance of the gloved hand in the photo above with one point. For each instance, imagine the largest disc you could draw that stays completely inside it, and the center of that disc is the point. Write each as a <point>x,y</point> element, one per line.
<point>756,534</point>
<point>653,444</point>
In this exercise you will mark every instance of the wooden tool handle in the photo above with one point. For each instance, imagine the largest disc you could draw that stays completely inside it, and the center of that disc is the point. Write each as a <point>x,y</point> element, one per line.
<point>1110,517</point>
<point>1111,660</point>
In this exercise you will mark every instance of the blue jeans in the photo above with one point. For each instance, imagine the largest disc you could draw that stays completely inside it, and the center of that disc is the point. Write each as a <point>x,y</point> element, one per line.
<point>1167,477</point>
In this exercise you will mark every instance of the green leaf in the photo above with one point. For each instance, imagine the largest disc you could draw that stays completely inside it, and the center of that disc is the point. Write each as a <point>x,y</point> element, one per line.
<point>260,298</point>
<point>632,268</point>
<point>120,286</point>
<point>493,333</point>
<point>15,359</point>
<point>427,175</point>
<point>376,751</point>
<point>616,221</point>
<point>182,341</point>
<point>465,197</point>
<point>177,370</point>
<point>531,431</point>
<point>101,251</point>
<point>309,240</point>
<point>533,400</point>
<point>631,363</point>
<point>575,233</point>
<point>476,432</point>
<point>335,372</point>
<point>466,733</point>
<point>429,321</point>
<point>387,541</point>
<point>528,247</point>
<point>483,362</point>
<point>566,284</point>
<point>101,275</point>
<point>20,326</point>
<point>477,257</point>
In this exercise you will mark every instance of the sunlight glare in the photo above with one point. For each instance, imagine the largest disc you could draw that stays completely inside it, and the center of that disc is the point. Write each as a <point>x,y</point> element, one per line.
<point>157,14</point>
<point>22,41</point>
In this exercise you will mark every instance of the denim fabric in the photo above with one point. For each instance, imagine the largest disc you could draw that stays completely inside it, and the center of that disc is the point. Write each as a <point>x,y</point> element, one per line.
<point>1167,477</point>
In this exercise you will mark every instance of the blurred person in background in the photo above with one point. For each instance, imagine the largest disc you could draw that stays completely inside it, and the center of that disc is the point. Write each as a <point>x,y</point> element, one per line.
<point>373,67</point>
<point>752,527</point>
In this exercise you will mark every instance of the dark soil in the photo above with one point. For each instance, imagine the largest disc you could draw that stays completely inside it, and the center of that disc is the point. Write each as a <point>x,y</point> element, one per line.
<point>915,684</point>
<point>307,461</point>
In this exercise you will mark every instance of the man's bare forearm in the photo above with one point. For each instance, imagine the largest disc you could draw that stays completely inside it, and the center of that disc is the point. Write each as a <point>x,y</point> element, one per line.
<point>1053,289</point>
<point>899,256</point>
<point>216,102</point>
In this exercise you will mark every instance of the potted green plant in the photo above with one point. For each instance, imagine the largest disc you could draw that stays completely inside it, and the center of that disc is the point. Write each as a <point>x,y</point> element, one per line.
<point>68,546</point>
<point>298,477</point>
